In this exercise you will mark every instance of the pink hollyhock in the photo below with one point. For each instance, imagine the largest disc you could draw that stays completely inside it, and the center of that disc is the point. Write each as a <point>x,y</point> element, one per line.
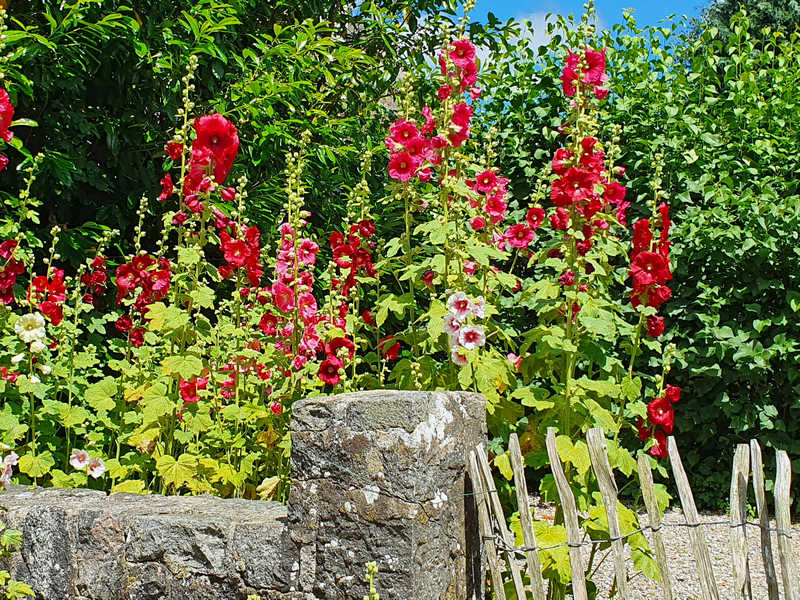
<point>462,53</point>
<point>96,468</point>
<point>470,267</point>
<point>535,216</point>
<point>477,223</point>
<point>219,137</point>
<point>496,208</point>
<point>515,360</point>
<point>471,337</point>
<point>430,124</point>
<point>402,166</point>
<point>444,92</point>
<point>486,181</point>
<point>519,236</point>
<point>283,296</point>
<point>402,131</point>
<point>567,278</point>
<point>458,357</point>
<point>560,219</point>
<point>459,305</point>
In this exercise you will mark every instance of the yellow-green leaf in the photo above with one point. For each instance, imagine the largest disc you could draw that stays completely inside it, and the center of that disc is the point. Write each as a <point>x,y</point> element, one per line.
<point>177,472</point>
<point>100,395</point>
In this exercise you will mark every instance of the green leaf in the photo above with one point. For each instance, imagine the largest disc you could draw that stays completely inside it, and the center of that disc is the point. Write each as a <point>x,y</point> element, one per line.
<point>177,472</point>
<point>536,398</point>
<point>503,464</point>
<point>131,486</point>
<point>100,395</point>
<point>203,296</point>
<point>183,365</point>
<point>36,466</point>
<point>188,256</point>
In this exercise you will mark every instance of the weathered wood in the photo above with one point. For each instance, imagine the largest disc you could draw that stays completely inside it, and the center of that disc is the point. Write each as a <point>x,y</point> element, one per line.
<point>570,518</point>
<point>653,513</point>
<point>738,499</point>
<point>485,527</point>
<point>525,520</point>
<point>783,483</point>
<point>763,520</point>
<point>705,571</point>
<point>496,508</point>
<point>598,452</point>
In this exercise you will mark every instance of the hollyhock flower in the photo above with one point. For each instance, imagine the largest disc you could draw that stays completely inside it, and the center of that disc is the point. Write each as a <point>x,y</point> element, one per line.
<point>444,92</point>
<point>276,408</point>
<point>6,116</point>
<point>561,160</point>
<point>660,449</point>
<point>462,113</point>
<point>79,459</point>
<point>30,327</point>
<point>462,54</point>
<point>458,357</point>
<point>427,278</point>
<point>189,388</point>
<point>452,325</point>
<point>642,236</point>
<point>496,208</point>
<point>535,216</point>
<point>486,181</point>
<point>402,131</point>
<point>96,468</point>
<point>180,218</point>
<point>672,393</point>
<point>7,248</point>
<point>418,149</point>
<point>515,360</point>
<point>655,326</point>
<point>219,136</point>
<point>307,252</point>
<point>368,317</point>
<point>7,375</point>
<point>52,311</point>
<point>459,305</point>
<point>569,74</point>
<point>333,347</point>
<point>649,268</point>
<point>471,337</point>
<point>478,307</point>
<point>402,166</point>
<point>614,193</point>
<point>167,187</point>
<point>643,429</point>
<point>390,351</point>
<point>17,358</point>
<point>519,236</point>
<point>268,324</point>
<point>430,123</point>
<point>595,73</point>
<point>283,297</point>
<point>475,93</point>
<point>583,247</point>
<point>601,93</point>
<point>560,219</point>
<point>136,337</point>
<point>174,150</point>
<point>329,370</point>
<point>567,278</point>
<point>366,228</point>
<point>661,413</point>
<point>575,186</point>
<point>470,266</point>
<point>477,223</point>
<point>36,348</point>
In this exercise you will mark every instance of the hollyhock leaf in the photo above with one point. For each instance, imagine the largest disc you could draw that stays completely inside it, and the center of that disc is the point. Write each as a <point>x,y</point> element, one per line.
<point>185,365</point>
<point>503,464</point>
<point>36,465</point>
<point>177,472</point>
<point>100,395</point>
<point>203,297</point>
<point>267,488</point>
<point>131,486</point>
<point>602,324</point>
<point>536,398</point>
<point>632,388</point>
<point>620,458</point>
<point>70,416</point>
<point>484,254</point>
<point>600,416</point>
<point>793,298</point>
<point>188,256</point>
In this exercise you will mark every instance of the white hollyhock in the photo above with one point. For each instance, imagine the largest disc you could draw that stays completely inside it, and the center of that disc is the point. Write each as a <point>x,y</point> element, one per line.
<point>471,337</point>
<point>30,328</point>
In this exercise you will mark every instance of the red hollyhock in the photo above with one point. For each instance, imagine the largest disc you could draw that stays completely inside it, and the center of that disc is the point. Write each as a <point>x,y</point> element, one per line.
<point>643,429</point>
<point>219,136</point>
<point>402,166</point>
<point>642,236</point>
<point>124,324</point>
<point>660,448</point>
<point>561,159</point>
<point>174,150</point>
<point>575,186</point>
<point>485,182</point>
<point>672,393</point>
<point>655,326</point>
<point>283,296</point>
<point>402,131</point>
<point>136,337</point>
<point>535,216</point>
<point>519,236</point>
<point>167,187</point>
<point>462,54</point>
<point>329,370</point>
<point>332,348</point>
<point>649,268</point>
<point>462,113</point>
<point>390,351</point>
<point>427,278</point>
<point>661,413</point>
<point>567,278</point>
<point>560,219</point>
<point>6,116</point>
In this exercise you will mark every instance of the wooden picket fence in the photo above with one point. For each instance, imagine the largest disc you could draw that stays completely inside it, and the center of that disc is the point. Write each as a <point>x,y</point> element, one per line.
<point>502,554</point>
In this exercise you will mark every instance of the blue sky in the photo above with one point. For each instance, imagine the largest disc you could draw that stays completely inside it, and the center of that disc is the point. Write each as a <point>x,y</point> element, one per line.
<point>647,12</point>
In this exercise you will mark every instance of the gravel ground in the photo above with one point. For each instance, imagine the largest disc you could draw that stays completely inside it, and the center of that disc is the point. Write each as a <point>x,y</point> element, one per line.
<point>680,559</point>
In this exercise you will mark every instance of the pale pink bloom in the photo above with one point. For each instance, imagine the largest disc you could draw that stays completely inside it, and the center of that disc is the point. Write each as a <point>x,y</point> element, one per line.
<point>5,476</point>
<point>459,305</point>
<point>478,307</point>
<point>470,267</point>
<point>79,459</point>
<point>11,459</point>
<point>457,356</point>
<point>515,360</point>
<point>451,325</point>
<point>96,468</point>
<point>471,337</point>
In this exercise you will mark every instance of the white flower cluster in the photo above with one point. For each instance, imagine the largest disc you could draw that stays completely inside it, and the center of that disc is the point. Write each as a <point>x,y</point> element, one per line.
<point>463,336</point>
<point>8,464</point>
<point>30,328</point>
<point>80,459</point>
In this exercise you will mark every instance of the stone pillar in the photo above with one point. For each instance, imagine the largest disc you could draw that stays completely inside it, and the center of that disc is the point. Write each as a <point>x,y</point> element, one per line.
<point>380,476</point>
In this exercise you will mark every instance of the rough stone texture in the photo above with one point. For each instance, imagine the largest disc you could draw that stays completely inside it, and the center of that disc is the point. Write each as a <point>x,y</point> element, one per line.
<point>380,476</point>
<point>81,544</point>
<point>377,476</point>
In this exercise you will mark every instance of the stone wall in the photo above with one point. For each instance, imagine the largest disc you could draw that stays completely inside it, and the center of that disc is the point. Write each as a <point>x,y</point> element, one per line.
<point>376,476</point>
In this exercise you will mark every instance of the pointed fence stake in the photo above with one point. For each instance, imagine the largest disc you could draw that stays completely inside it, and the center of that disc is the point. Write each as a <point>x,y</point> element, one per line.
<point>705,572</point>
<point>783,483</point>
<point>525,520</point>
<point>649,495</point>
<point>485,526</point>
<point>570,519</point>
<point>598,452</point>
<point>738,498</point>
<point>767,555</point>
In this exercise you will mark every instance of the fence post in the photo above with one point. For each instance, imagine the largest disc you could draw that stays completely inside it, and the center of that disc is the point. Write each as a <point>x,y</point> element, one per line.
<point>570,519</point>
<point>485,527</point>
<point>783,483</point>
<point>704,570</point>
<point>525,520</point>
<point>763,520</point>
<point>598,452</point>
<point>738,498</point>
<point>649,495</point>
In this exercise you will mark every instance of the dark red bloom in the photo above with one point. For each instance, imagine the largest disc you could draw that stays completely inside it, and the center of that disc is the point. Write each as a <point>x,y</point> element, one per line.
<point>329,370</point>
<point>655,326</point>
<point>560,219</point>
<point>660,448</point>
<point>136,337</point>
<point>6,116</point>
<point>575,186</point>
<point>124,323</point>
<point>567,278</point>
<point>672,393</point>
<point>174,150</point>
<point>427,278</point>
<point>661,413</point>
<point>390,351</point>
